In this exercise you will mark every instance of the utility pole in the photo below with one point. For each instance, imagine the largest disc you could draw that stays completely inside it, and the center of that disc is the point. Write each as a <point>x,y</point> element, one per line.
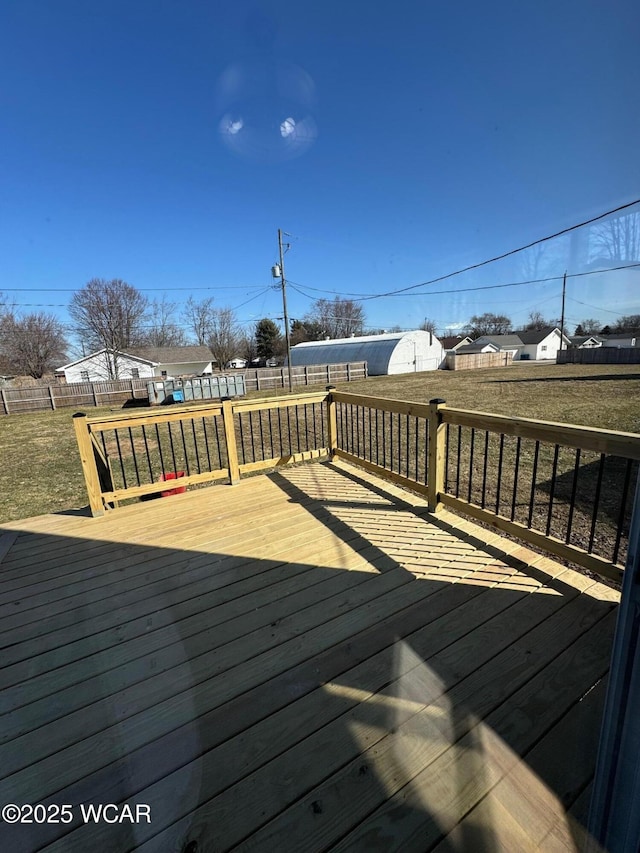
<point>564,288</point>
<point>287,332</point>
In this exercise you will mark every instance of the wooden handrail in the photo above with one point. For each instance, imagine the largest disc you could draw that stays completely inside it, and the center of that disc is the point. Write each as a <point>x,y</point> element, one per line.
<point>611,442</point>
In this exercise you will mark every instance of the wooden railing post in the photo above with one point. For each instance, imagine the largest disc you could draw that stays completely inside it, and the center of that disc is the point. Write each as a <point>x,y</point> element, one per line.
<point>89,467</point>
<point>230,436</point>
<point>332,422</point>
<point>436,454</point>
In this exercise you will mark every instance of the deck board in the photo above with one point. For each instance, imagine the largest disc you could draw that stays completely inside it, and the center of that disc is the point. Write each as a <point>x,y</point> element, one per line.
<point>312,645</point>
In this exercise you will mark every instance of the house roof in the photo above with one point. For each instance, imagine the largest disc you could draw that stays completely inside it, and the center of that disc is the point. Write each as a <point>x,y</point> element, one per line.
<point>98,352</point>
<point>536,336</point>
<point>508,341</point>
<point>475,347</point>
<point>451,341</point>
<point>154,355</point>
<point>171,355</point>
<point>577,340</point>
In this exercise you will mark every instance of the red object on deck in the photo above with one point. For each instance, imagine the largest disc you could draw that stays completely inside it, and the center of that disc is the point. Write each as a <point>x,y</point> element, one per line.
<point>172,475</point>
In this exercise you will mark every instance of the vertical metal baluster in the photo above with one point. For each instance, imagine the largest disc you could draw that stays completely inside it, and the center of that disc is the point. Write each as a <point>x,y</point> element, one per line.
<point>206,442</point>
<point>260,413</point>
<point>426,445</point>
<point>515,479</point>
<point>173,450</point>
<point>534,473</point>
<point>554,471</point>
<point>315,432</point>
<point>124,476</point>
<point>446,459</point>
<point>281,449</point>
<point>473,437</point>
<point>407,449</point>
<point>289,450</point>
<point>596,502</point>
<point>146,450</point>
<point>195,444</point>
<point>216,425</point>
<point>297,414</point>
<point>270,411</point>
<point>384,440</point>
<point>499,483</point>
<point>485,464</point>
<point>252,443</point>
<point>160,449</point>
<point>184,446</point>
<point>623,506</point>
<point>133,453</point>
<point>240,444</point>
<point>306,427</point>
<point>572,500</point>
<point>459,449</point>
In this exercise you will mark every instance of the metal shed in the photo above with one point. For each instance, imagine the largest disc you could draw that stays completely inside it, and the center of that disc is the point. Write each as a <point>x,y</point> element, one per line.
<point>396,352</point>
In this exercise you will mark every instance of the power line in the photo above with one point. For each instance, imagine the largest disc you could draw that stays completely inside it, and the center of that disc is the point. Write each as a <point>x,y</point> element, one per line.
<point>142,289</point>
<point>359,298</point>
<point>512,251</point>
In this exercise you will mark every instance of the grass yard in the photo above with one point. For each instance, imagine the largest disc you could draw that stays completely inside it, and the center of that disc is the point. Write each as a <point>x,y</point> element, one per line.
<point>40,469</point>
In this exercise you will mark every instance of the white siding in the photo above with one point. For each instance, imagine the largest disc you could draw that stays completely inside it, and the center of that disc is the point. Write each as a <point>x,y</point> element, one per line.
<point>95,368</point>
<point>546,349</point>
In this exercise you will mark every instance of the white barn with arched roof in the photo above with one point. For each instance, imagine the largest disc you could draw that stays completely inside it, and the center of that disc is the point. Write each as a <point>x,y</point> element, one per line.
<point>396,352</point>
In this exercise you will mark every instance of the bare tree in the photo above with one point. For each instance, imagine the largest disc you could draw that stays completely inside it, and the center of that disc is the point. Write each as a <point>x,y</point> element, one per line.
<point>161,329</point>
<point>536,322</point>
<point>489,324</point>
<point>225,336</point>
<point>616,240</point>
<point>199,317</point>
<point>628,323</point>
<point>590,327</point>
<point>429,326</point>
<point>340,318</point>
<point>32,345</point>
<point>109,314</point>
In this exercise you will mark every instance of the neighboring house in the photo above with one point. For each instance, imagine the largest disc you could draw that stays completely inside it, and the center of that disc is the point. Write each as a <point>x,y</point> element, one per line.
<point>505,343</point>
<point>454,342</point>
<point>625,341</point>
<point>237,363</point>
<point>138,363</point>
<point>586,341</point>
<point>535,344</point>
<point>396,352</point>
<point>540,344</point>
<point>477,347</point>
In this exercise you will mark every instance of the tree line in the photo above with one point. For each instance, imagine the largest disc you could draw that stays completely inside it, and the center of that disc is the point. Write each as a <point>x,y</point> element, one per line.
<point>116,316</point>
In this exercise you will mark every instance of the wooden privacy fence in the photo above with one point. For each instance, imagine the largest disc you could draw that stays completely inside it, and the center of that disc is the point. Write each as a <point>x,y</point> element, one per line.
<point>566,489</point>
<point>477,360</point>
<point>599,355</point>
<point>42,397</point>
<point>268,378</point>
<point>36,398</point>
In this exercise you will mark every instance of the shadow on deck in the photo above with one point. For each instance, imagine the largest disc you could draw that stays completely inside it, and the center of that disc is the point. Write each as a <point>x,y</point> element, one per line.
<point>306,661</point>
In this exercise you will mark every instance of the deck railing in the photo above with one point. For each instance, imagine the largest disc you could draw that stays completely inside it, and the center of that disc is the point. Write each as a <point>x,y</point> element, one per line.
<point>566,489</point>
<point>143,454</point>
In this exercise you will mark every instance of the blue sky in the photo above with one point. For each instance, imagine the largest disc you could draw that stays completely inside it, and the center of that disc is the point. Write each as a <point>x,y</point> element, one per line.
<point>428,137</point>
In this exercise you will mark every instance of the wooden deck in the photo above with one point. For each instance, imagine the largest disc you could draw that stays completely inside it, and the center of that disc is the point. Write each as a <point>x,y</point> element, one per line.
<point>304,661</point>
